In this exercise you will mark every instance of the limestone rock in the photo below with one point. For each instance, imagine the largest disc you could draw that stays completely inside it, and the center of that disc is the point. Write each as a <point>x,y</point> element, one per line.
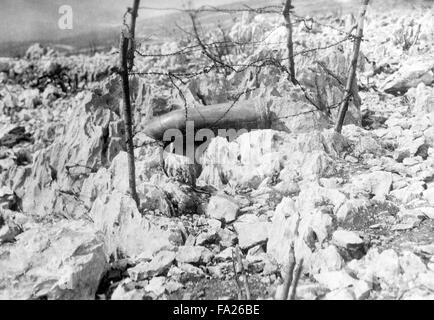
<point>325,260</point>
<point>127,231</point>
<point>226,238</point>
<point>225,255</point>
<point>310,291</point>
<point>362,290</point>
<point>282,231</point>
<point>126,291</point>
<point>30,98</point>
<point>341,294</point>
<point>251,233</point>
<point>222,207</point>
<point>63,261</point>
<point>10,135</point>
<point>346,239</point>
<point>378,183</point>
<point>257,155</point>
<point>194,255</point>
<point>424,99</point>
<point>72,156</point>
<point>349,210</point>
<point>321,222</point>
<point>5,65</point>
<point>409,193</point>
<point>35,51</point>
<point>411,265</point>
<point>429,195</point>
<point>386,266</point>
<point>156,286</point>
<point>51,92</point>
<point>329,73</point>
<point>409,146</point>
<point>349,241</point>
<point>8,230</point>
<point>312,196</point>
<point>185,272</point>
<point>300,118</point>
<point>334,280</point>
<point>362,142</point>
<point>415,71</point>
<point>159,265</point>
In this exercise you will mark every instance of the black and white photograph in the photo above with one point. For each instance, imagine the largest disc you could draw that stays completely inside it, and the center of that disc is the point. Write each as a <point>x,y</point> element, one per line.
<point>238,152</point>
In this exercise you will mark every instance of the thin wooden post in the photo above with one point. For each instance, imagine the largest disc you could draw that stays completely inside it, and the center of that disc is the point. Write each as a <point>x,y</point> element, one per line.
<point>243,273</point>
<point>132,34</point>
<point>353,69</point>
<point>288,275</point>
<point>123,48</point>
<point>287,15</point>
<point>297,275</point>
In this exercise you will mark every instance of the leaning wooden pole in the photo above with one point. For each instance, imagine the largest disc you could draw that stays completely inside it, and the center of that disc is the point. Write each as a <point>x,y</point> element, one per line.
<point>287,15</point>
<point>132,34</point>
<point>243,273</point>
<point>353,68</point>
<point>288,276</point>
<point>297,275</point>
<point>127,116</point>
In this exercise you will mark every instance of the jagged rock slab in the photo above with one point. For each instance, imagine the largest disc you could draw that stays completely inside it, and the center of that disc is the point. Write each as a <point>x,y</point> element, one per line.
<point>414,71</point>
<point>126,230</point>
<point>63,261</point>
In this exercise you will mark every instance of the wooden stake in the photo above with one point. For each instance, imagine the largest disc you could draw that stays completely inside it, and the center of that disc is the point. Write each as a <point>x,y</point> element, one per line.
<point>297,275</point>
<point>127,117</point>
<point>237,281</point>
<point>243,273</point>
<point>290,45</point>
<point>132,34</point>
<point>288,274</point>
<point>353,68</point>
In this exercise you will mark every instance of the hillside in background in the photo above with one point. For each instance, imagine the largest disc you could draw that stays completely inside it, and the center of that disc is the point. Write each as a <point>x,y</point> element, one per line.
<point>97,26</point>
<point>96,23</point>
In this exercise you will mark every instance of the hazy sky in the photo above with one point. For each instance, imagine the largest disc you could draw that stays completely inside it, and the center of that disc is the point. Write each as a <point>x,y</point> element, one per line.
<point>38,19</point>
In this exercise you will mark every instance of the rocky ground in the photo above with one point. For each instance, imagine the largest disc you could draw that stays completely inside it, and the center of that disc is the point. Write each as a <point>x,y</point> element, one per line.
<point>358,206</point>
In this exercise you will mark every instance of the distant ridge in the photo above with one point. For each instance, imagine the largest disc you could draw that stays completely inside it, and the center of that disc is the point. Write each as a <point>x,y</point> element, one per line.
<point>162,27</point>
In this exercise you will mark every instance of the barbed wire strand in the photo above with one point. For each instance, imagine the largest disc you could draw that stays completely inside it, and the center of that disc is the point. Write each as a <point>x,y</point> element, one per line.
<point>203,47</point>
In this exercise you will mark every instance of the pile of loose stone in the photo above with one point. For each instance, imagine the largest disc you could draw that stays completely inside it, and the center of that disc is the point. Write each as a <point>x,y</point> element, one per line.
<point>358,207</point>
